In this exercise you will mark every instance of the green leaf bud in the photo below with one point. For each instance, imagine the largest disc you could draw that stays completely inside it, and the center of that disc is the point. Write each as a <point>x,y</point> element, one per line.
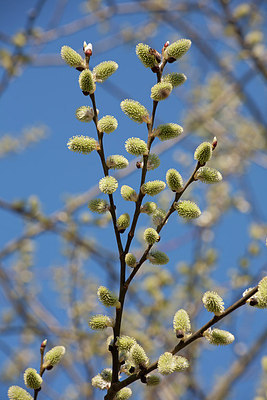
<point>166,364</point>
<point>213,302</point>
<point>99,206</point>
<point>108,184</point>
<point>174,79</point>
<point>123,222</point>
<point>128,193</point>
<point>208,175</point>
<point>177,49</point>
<point>138,356</point>
<point>123,394</point>
<point>130,260</point>
<point>136,146</point>
<point>17,393</point>
<point>218,337</point>
<point>86,82</point>
<point>144,55</point>
<point>261,295</point>
<point>104,70</point>
<point>107,124</point>
<point>71,57</point>
<point>174,180</point>
<point>149,207</point>
<point>187,209</point>
<point>169,363</point>
<point>181,363</point>
<point>82,144</point>
<point>151,236</point>
<point>106,374</point>
<point>107,298</point>
<point>152,380</point>
<point>168,131</point>
<point>84,114</point>
<point>100,383</point>
<point>161,91</point>
<point>32,379</point>
<point>181,324</point>
<point>100,322</point>
<point>125,343</point>
<point>203,152</point>
<point>158,257</point>
<point>53,356</point>
<point>262,288</point>
<point>134,110</point>
<point>153,161</point>
<point>158,216</point>
<point>242,10</point>
<point>117,162</point>
<point>153,188</point>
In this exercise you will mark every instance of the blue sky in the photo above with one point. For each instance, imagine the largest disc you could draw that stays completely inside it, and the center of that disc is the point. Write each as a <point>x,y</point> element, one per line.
<point>49,95</point>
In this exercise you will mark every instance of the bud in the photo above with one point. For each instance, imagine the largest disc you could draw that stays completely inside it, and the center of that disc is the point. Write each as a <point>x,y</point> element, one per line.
<point>107,124</point>
<point>32,379</point>
<point>104,70</point>
<point>218,337</point>
<point>100,383</point>
<point>152,380</point>
<point>87,49</point>
<point>117,162</point>
<point>53,356</point>
<point>181,323</point>
<point>86,82</point>
<point>153,188</point>
<point>106,374</point>
<point>151,236</point>
<point>166,364</point>
<point>177,49</point>
<point>17,393</point>
<point>138,356</point>
<point>158,216</point>
<point>153,161</point>
<point>43,344</point>
<point>100,322</point>
<point>128,193</point>
<point>130,260</point>
<point>262,293</point>
<point>136,146</point>
<point>107,298</point>
<point>123,394</point>
<point>108,184</point>
<point>82,144</point>
<point>203,152</point>
<point>71,57</point>
<point>168,131</point>
<point>242,10</point>
<point>169,363</point>
<point>134,110</point>
<point>125,343</point>
<point>84,114</point>
<point>99,206</point>
<point>174,180</point>
<point>145,56</point>
<point>174,79</point>
<point>161,91</point>
<point>148,208</point>
<point>158,257</point>
<point>213,303</point>
<point>187,209</point>
<point>208,175</point>
<point>123,222</point>
<point>214,143</point>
